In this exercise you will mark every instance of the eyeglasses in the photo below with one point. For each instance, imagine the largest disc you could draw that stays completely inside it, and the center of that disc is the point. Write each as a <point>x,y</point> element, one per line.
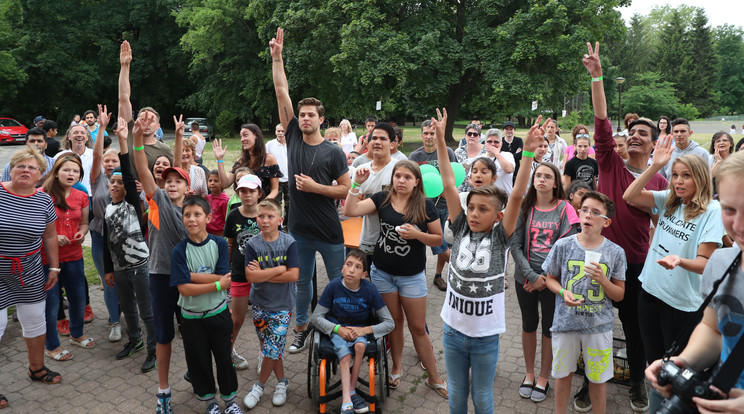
<point>493,142</point>
<point>593,213</point>
<point>27,167</point>
<point>582,135</point>
<point>473,134</point>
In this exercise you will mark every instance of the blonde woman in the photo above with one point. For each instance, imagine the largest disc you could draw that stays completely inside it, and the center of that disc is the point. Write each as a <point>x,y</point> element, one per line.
<point>348,137</point>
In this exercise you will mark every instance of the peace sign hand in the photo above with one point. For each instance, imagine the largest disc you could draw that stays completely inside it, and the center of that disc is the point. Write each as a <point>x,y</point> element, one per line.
<point>180,125</point>
<point>277,44</point>
<point>591,60</point>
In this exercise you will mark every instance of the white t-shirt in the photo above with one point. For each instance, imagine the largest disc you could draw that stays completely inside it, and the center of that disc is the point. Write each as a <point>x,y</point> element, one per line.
<point>371,222</point>
<point>503,179</point>
<point>279,151</point>
<point>348,142</point>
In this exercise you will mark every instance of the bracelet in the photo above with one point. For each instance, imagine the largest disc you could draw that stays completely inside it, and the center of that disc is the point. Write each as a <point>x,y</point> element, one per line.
<point>561,292</point>
<point>220,161</point>
<point>528,154</point>
<point>352,193</point>
<point>335,329</point>
<point>139,148</point>
<point>219,287</point>
<point>355,184</point>
<point>55,269</point>
<point>599,79</point>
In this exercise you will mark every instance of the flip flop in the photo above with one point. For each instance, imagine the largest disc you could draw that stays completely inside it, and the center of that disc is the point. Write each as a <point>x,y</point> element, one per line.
<point>85,343</point>
<point>63,355</point>
<point>393,380</point>
<point>441,389</point>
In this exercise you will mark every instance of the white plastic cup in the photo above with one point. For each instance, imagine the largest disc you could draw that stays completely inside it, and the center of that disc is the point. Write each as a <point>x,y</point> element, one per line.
<point>591,256</point>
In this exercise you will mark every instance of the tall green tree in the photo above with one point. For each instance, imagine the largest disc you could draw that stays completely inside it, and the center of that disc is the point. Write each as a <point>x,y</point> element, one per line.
<point>12,75</point>
<point>729,45</point>
<point>698,72</point>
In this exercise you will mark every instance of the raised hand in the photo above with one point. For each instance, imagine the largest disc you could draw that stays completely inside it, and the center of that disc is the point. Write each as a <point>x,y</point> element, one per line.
<point>361,175</point>
<point>139,125</point>
<point>180,125</point>
<point>219,151</point>
<point>591,60</point>
<point>535,136</point>
<point>103,116</point>
<point>121,130</point>
<point>663,151</point>
<point>440,122</point>
<point>125,53</point>
<point>277,44</point>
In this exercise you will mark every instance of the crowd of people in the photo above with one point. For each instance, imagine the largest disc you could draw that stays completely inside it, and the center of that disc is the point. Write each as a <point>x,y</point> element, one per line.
<point>631,220</point>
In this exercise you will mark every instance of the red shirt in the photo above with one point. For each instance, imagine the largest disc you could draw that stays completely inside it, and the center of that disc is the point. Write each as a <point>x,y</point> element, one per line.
<point>67,225</point>
<point>219,211</point>
<point>630,226</point>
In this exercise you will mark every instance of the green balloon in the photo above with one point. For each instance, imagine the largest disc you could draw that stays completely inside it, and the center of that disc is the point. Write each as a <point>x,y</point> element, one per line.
<point>433,186</point>
<point>459,171</point>
<point>428,168</point>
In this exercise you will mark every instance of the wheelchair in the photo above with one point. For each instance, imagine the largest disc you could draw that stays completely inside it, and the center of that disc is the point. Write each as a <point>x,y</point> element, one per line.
<point>324,381</point>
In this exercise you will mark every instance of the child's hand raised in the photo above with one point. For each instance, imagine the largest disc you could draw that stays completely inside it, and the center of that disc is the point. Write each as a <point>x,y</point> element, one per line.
<point>536,135</point>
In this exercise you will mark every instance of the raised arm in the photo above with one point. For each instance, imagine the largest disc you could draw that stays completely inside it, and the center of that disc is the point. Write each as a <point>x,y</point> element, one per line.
<point>178,144</point>
<point>286,113</point>
<point>445,169</point>
<point>103,119</point>
<point>125,104</point>
<point>594,66</point>
<point>140,159</point>
<point>354,207</point>
<point>635,193</point>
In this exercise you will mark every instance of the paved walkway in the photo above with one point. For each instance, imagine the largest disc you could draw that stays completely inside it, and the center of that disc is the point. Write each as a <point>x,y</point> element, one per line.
<point>95,382</point>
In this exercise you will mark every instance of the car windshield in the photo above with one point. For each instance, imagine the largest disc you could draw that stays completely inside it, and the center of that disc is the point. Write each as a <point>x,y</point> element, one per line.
<point>7,122</point>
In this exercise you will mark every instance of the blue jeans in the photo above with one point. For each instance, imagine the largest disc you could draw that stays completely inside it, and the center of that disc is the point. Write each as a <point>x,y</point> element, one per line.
<point>464,355</point>
<point>72,278</point>
<point>110,295</point>
<point>333,258</point>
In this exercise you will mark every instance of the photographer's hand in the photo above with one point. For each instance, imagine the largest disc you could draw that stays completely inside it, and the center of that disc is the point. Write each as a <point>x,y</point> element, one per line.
<point>652,373</point>
<point>734,405</point>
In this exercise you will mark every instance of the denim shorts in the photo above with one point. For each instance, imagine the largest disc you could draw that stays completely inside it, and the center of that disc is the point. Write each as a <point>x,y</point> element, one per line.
<point>412,287</point>
<point>443,215</point>
<point>342,347</point>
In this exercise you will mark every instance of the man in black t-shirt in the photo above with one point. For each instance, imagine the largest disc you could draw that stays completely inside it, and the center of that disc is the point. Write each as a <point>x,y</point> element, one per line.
<point>314,164</point>
<point>512,144</point>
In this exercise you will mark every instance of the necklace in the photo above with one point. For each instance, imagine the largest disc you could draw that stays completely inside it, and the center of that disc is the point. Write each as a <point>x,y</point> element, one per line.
<point>304,153</point>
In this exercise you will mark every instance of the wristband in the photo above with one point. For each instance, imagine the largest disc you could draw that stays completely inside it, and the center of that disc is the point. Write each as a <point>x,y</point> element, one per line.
<point>354,194</point>
<point>139,148</point>
<point>528,154</point>
<point>335,329</point>
<point>599,79</point>
<point>561,292</point>
<point>355,184</point>
<point>219,287</point>
<point>220,161</point>
<point>55,269</point>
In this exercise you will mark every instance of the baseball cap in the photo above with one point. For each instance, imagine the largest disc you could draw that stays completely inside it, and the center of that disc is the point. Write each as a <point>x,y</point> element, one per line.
<point>249,181</point>
<point>39,118</point>
<point>183,174</point>
<point>509,124</point>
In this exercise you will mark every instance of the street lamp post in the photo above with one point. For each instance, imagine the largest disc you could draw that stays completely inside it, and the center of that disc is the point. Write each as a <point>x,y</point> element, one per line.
<point>619,81</point>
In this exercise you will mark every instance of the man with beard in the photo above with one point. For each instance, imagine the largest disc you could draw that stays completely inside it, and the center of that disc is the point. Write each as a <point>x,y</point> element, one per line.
<point>90,123</point>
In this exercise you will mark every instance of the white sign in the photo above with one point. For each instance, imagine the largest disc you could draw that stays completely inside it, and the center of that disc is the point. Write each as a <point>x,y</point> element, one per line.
<point>563,114</point>
<point>534,105</point>
<point>379,105</point>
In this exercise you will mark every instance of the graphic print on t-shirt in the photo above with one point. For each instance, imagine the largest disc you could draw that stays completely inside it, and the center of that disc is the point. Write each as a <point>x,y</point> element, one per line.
<point>399,245</point>
<point>245,232</point>
<point>478,262</point>
<point>595,294</point>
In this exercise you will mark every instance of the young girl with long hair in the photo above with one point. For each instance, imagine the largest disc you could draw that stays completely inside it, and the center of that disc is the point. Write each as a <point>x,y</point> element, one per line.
<point>71,206</point>
<point>408,223</point>
<point>544,218</point>
<point>689,230</point>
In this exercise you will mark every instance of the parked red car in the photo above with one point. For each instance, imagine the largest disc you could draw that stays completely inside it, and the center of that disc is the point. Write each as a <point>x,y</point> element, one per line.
<point>12,131</point>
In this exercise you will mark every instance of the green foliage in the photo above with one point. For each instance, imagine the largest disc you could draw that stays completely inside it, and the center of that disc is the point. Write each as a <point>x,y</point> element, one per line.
<point>729,46</point>
<point>225,123</point>
<point>650,96</point>
<point>687,111</point>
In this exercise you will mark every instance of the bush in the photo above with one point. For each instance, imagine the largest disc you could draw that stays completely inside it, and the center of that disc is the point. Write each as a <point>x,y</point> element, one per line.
<point>225,123</point>
<point>687,111</point>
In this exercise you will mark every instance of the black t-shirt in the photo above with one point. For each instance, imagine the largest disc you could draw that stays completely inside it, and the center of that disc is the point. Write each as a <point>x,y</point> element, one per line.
<point>242,229</point>
<point>313,215</point>
<point>394,254</point>
<point>582,170</point>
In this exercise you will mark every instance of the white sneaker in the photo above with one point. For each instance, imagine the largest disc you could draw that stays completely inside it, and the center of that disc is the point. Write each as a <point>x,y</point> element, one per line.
<point>239,361</point>
<point>115,334</point>
<point>280,393</point>
<point>253,397</point>
<point>259,361</point>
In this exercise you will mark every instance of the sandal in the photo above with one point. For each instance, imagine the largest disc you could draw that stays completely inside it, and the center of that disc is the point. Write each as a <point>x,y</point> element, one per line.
<point>63,355</point>
<point>47,378</point>
<point>86,343</point>
<point>3,402</point>
<point>441,389</point>
<point>393,380</point>
<point>525,390</point>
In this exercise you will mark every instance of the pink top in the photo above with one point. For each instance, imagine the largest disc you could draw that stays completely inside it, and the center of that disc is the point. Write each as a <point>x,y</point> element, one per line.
<point>570,152</point>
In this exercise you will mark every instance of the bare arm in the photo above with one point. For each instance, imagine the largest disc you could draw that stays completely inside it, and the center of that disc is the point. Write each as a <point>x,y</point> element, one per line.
<point>445,168</point>
<point>291,275</point>
<point>194,289</point>
<point>566,181</point>
<point>254,273</point>
<point>336,192</point>
<point>103,120</point>
<point>226,177</point>
<point>635,193</point>
<point>594,66</point>
<point>140,159</point>
<point>613,288</point>
<point>281,86</point>
<point>274,181</point>
<point>51,248</point>
<point>505,164</point>
<point>125,105</point>
<point>696,265</point>
<point>178,143</point>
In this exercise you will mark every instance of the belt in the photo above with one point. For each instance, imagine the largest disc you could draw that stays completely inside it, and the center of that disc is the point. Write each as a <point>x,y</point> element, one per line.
<point>16,266</point>
<point>201,315</point>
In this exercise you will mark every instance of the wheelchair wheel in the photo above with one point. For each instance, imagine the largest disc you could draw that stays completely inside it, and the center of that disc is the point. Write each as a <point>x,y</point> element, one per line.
<point>313,368</point>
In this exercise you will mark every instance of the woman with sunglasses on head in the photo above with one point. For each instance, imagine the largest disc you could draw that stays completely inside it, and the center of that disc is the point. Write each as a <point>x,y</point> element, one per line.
<point>579,131</point>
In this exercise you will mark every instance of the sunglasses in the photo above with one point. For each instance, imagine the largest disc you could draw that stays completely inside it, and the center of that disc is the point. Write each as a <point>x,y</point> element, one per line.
<point>582,135</point>
<point>493,142</point>
<point>473,134</point>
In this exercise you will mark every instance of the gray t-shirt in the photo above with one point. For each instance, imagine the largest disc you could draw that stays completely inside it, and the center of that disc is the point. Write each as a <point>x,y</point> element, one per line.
<point>269,296</point>
<point>595,314</point>
<point>165,231</point>
<point>727,301</point>
<point>100,198</point>
<point>377,181</point>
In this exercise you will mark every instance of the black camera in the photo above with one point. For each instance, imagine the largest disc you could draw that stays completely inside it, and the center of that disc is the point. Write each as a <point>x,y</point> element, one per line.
<point>685,385</point>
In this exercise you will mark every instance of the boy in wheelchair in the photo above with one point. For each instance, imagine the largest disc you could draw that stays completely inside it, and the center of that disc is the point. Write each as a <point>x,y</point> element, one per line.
<point>344,312</point>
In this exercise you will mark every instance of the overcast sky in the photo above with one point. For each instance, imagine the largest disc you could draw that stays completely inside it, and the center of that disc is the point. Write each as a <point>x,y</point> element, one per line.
<point>718,11</point>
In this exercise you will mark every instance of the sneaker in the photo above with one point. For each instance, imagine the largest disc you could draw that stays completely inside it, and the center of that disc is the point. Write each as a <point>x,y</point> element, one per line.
<point>164,404</point>
<point>347,411</point>
<point>253,397</point>
<point>360,406</point>
<point>638,398</point>
<point>582,403</point>
<point>213,408</point>
<point>150,362</point>
<point>259,361</point>
<point>233,408</point>
<point>300,341</point>
<point>280,393</point>
<point>88,315</point>
<point>187,377</point>
<point>63,327</point>
<point>525,389</point>
<point>238,360</point>
<point>129,349</point>
<point>539,394</point>
<point>440,283</point>
<point>115,333</point>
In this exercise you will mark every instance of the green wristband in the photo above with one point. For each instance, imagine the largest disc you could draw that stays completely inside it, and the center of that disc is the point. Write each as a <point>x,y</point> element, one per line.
<point>139,148</point>
<point>355,184</point>
<point>528,154</point>
<point>219,287</point>
<point>599,79</point>
<point>561,292</point>
<point>335,329</point>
